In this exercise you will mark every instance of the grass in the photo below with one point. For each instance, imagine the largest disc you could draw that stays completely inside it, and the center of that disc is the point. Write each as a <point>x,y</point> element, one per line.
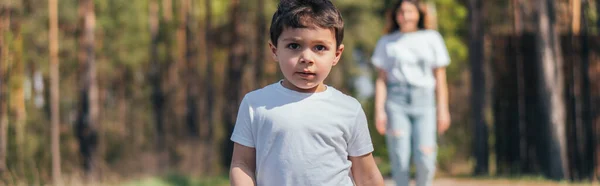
<point>522,179</point>
<point>179,180</point>
<point>176,179</point>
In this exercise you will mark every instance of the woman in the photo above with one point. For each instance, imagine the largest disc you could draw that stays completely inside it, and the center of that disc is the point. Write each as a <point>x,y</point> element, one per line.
<point>411,94</point>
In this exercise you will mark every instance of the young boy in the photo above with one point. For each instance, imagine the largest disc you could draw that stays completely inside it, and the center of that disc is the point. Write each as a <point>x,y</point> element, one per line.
<point>300,131</point>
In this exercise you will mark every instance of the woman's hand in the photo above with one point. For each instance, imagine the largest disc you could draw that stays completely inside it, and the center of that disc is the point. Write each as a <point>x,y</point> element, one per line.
<point>380,121</point>
<point>441,90</point>
<point>380,98</point>
<point>443,121</point>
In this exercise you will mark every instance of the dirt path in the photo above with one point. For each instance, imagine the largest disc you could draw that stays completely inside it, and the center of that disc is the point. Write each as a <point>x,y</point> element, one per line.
<point>475,182</point>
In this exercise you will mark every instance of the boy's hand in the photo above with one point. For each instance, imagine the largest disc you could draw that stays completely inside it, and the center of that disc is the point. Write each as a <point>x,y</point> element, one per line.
<point>380,121</point>
<point>443,121</point>
<point>243,166</point>
<point>365,171</point>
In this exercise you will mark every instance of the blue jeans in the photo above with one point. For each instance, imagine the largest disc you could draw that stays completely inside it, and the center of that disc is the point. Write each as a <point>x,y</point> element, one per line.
<point>411,130</point>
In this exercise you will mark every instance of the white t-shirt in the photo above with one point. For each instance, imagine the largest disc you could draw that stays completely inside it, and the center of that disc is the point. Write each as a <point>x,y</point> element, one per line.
<point>302,139</point>
<point>411,57</point>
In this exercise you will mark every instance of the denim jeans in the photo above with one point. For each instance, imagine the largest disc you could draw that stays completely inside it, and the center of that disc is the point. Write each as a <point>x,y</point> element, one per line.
<point>411,130</point>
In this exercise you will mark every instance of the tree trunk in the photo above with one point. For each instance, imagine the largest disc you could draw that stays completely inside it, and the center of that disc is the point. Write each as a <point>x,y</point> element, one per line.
<point>17,91</point>
<point>551,90</point>
<point>54,91</point>
<point>158,97</point>
<point>575,16</point>
<point>87,124</point>
<point>524,160</point>
<point>478,88</point>
<point>594,111</point>
<point>173,89</point>
<point>598,23</point>
<point>576,137</point>
<point>209,88</point>
<point>4,20</point>
<point>189,56</point>
<point>167,6</point>
<point>234,77</point>
<point>586,108</point>
<point>122,84</point>
<point>517,7</point>
<point>261,30</point>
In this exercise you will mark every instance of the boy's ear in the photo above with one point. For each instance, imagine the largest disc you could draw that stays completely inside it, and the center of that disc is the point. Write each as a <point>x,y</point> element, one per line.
<point>338,54</point>
<point>273,51</point>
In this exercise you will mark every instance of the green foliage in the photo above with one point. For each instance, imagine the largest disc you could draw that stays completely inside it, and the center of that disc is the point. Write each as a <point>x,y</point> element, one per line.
<point>362,26</point>
<point>592,17</point>
<point>122,31</point>
<point>452,23</point>
<point>180,180</point>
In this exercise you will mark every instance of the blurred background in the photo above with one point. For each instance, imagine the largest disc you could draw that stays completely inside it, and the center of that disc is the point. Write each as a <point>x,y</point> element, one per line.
<point>145,92</point>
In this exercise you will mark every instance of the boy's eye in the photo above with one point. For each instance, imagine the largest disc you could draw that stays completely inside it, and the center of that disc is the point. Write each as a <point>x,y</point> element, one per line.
<point>320,48</point>
<point>293,46</point>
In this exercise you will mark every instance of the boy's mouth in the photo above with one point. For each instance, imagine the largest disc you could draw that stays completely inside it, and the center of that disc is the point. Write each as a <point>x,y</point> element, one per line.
<point>306,74</point>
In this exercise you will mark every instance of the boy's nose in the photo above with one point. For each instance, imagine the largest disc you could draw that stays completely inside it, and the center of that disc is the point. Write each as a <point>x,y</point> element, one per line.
<point>307,57</point>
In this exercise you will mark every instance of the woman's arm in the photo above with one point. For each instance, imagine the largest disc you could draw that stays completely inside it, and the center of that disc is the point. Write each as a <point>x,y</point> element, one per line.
<point>380,97</point>
<point>441,89</point>
<point>243,165</point>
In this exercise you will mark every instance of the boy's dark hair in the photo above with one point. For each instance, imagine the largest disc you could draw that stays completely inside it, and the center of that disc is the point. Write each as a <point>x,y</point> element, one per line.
<point>307,14</point>
<point>393,25</point>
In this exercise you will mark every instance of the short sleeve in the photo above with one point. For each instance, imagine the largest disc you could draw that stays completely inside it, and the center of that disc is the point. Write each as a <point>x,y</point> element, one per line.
<point>360,139</point>
<point>379,54</point>
<point>242,132</point>
<point>442,58</point>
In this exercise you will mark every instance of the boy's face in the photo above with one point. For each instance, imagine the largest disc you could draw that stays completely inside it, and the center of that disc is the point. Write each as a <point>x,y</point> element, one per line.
<point>305,56</point>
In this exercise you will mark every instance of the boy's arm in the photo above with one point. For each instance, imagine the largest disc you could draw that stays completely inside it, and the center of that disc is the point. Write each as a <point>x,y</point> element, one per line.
<point>243,166</point>
<point>365,171</point>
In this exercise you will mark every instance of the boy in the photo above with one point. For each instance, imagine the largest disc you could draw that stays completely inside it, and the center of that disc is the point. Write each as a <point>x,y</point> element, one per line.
<point>300,131</point>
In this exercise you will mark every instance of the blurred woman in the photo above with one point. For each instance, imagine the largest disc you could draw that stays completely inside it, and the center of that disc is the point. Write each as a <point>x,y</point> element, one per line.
<point>411,94</point>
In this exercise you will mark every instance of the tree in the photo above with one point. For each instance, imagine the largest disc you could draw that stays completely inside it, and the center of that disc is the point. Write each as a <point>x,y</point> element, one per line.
<point>234,76</point>
<point>54,91</point>
<point>167,6</point>
<point>209,84</point>
<point>14,94</point>
<point>17,91</point>
<point>189,56</point>
<point>576,16</point>
<point>523,144</point>
<point>517,7</point>
<point>598,27</point>
<point>580,135</point>
<point>590,149</point>
<point>158,98</point>
<point>4,19</point>
<point>588,106</point>
<point>551,89</point>
<point>261,30</point>
<point>478,87</point>
<point>87,121</point>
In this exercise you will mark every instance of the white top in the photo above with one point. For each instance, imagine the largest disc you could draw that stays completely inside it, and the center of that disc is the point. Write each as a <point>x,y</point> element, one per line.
<point>302,138</point>
<point>411,57</point>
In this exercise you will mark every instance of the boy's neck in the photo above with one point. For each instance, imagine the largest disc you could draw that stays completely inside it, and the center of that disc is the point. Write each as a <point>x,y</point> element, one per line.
<point>319,88</point>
